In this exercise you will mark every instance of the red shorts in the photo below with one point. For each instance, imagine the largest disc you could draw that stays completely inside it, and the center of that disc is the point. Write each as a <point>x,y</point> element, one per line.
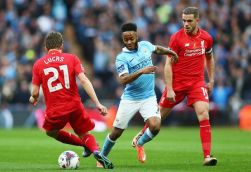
<point>78,119</point>
<point>193,93</point>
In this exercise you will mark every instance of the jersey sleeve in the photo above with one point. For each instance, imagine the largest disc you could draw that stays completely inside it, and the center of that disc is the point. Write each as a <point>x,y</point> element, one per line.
<point>121,66</point>
<point>78,67</point>
<point>36,78</point>
<point>209,47</point>
<point>173,43</point>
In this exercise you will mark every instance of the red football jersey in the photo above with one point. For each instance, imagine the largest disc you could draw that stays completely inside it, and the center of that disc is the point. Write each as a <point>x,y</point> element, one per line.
<point>191,50</point>
<point>57,72</point>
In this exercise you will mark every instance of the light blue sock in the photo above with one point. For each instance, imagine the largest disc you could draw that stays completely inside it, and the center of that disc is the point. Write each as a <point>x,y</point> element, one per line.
<point>146,137</point>
<point>107,146</point>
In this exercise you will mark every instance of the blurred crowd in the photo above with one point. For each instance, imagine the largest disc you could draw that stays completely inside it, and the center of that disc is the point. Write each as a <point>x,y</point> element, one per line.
<point>96,24</point>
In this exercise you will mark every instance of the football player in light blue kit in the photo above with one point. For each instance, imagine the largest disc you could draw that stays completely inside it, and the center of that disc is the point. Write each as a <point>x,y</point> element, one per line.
<point>136,71</point>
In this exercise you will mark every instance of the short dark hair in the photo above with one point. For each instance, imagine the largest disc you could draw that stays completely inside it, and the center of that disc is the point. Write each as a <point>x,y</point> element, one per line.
<point>129,27</point>
<point>53,40</point>
<point>192,10</point>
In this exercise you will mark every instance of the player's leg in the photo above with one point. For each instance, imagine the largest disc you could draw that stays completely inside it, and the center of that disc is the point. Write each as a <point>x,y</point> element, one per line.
<point>65,137</point>
<point>110,140</point>
<point>126,111</point>
<point>202,112</point>
<point>152,131</point>
<point>81,125</point>
<point>53,128</point>
<point>198,99</point>
<point>163,112</point>
<point>165,107</point>
<point>149,110</point>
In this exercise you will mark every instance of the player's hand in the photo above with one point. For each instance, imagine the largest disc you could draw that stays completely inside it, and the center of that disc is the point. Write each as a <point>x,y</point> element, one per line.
<point>149,69</point>
<point>210,87</point>
<point>33,100</point>
<point>170,96</point>
<point>102,109</point>
<point>174,57</point>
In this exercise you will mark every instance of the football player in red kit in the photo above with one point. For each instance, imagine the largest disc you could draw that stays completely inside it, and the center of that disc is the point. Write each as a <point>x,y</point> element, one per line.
<point>185,79</point>
<point>56,72</point>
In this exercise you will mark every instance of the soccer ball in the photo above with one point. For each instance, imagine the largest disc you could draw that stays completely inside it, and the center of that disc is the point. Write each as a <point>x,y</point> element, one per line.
<point>68,160</point>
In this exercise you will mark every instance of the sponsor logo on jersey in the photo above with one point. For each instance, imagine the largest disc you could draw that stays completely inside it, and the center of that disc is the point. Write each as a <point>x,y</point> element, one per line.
<point>196,51</point>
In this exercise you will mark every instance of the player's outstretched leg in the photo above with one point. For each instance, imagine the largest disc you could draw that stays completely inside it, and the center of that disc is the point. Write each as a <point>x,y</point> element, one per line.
<point>106,163</point>
<point>210,161</point>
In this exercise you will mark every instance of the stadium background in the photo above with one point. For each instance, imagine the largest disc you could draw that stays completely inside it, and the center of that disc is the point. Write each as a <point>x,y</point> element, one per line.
<point>91,29</point>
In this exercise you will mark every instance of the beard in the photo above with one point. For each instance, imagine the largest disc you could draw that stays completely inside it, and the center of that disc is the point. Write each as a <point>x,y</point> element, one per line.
<point>189,30</point>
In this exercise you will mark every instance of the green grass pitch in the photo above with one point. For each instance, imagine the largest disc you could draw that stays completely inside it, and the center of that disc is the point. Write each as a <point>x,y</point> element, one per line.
<point>174,149</point>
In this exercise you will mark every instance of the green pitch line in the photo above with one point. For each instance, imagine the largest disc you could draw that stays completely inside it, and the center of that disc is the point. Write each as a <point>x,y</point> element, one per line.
<point>174,150</point>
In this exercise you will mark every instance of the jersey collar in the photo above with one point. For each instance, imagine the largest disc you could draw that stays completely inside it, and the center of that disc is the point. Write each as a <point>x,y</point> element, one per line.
<point>193,36</point>
<point>129,51</point>
<point>54,51</point>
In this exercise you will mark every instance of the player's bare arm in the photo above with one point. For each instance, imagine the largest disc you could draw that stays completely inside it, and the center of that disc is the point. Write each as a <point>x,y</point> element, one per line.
<point>210,70</point>
<point>34,94</point>
<point>169,80</point>
<point>166,51</point>
<point>87,85</point>
<point>128,78</point>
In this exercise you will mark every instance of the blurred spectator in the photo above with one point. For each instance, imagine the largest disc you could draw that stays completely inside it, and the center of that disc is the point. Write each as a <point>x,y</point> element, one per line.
<point>221,93</point>
<point>246,87</point>
<point>6,118</point>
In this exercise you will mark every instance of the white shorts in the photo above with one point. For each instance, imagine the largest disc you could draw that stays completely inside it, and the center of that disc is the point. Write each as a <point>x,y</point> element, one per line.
<point>128,108</point>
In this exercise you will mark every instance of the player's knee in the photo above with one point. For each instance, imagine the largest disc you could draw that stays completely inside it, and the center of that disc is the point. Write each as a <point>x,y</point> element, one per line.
<point>203,114</point>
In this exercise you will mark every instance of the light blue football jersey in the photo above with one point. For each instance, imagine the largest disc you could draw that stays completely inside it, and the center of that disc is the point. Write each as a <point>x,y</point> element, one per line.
<point>131,61</point>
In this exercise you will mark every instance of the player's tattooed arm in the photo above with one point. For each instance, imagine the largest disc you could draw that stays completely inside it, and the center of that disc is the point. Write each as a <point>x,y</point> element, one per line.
<point>128,78</point>
<point>166,51</point>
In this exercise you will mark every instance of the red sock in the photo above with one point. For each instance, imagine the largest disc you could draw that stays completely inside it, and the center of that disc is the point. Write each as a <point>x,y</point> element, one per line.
<point>90,142</point>
<point>145,127</point>
<point>205,137</point>
<point>66,137</point>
